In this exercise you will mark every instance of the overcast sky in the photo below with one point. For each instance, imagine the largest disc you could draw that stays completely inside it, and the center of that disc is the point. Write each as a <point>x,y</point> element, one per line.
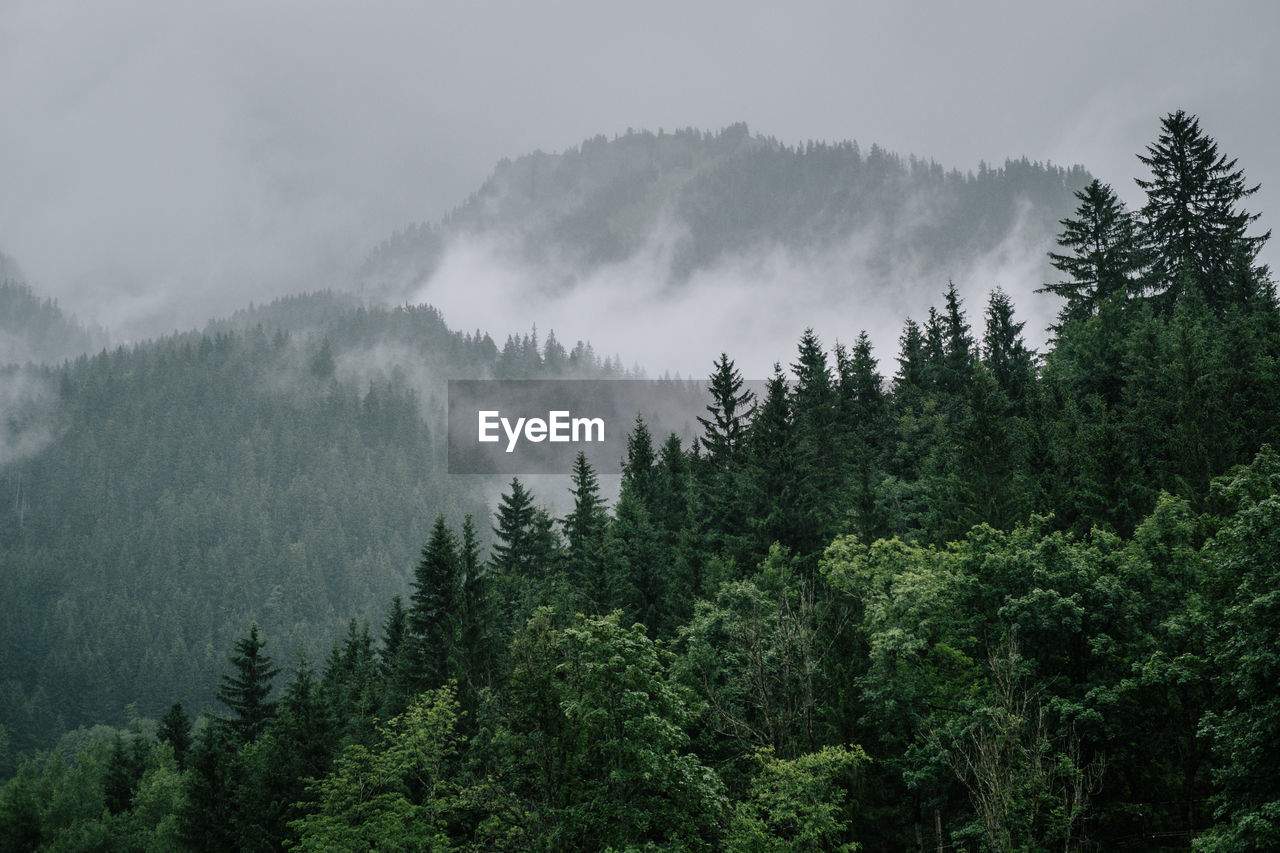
<point>164,160</point>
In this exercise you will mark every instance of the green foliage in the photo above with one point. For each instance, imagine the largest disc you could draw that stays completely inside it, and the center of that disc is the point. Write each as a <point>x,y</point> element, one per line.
<point>1105,259</point>
<point>175,730</point>
<point>752,655</point>
<point>1244,556</point>
<point>797,804</point>
<point>245,692</point>
<point>392,797</point>
<point>1192,222</point>
<point>595,746</point>
<point>1026,589</point>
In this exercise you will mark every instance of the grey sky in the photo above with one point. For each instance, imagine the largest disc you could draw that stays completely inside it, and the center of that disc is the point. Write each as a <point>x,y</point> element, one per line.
<point>162,161</point>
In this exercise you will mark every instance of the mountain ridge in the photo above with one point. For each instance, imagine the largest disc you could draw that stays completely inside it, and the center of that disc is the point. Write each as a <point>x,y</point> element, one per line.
<point>728,193</point>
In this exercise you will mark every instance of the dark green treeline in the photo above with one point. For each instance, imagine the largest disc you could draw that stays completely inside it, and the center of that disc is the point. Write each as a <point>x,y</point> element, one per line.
<point>983,600</point>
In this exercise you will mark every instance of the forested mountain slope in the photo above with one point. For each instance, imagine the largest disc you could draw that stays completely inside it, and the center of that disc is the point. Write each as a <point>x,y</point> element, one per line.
<point>36,330</point>
<point>694,199</point>
<point>281,466</point>
<point>977,598</point>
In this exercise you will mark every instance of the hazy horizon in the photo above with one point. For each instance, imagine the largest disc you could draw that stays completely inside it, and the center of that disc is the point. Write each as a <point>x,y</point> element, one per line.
<point>166,165</point>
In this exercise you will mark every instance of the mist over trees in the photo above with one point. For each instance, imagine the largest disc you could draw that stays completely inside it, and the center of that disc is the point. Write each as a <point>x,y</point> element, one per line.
<point>704,197</point>
<point>33,330</point>
<point>970,597</point>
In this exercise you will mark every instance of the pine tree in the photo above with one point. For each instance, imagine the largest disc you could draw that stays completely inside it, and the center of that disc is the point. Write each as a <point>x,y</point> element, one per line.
<point>206,817</point>
<point>934,348</point>
<point>638,473</point>
<point>477,631</point>
<point>958,347</point>
<point>175,730</point>
<point>1192,222</point>
<point>394,631</point>
<point>912,375</point>
<point>1104,259</point>
<point>395,659</point>
<point>729,410</point>
<point>434,608</point>
<point>817,452</point>
<point>512,554</point>
<point>351,684</point>
<point>245,693</point>
<point>721,508</point>
<point>770,469</point>
<point>864,425</point>
<point>584,529</point>
<point>124,770</point>
<point>1005,353</point>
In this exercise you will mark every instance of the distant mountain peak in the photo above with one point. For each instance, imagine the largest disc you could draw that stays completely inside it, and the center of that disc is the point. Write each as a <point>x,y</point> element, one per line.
<point>719,195</point>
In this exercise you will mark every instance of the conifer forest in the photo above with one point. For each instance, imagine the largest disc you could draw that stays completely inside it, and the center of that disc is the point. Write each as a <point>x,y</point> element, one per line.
<point>969,595</point>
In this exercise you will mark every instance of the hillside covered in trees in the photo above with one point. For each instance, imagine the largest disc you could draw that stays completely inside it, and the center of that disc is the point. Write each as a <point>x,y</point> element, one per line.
<point>974,598</point>
<point>279,466</point>
<point>37,331</point>
<point>700,198</point>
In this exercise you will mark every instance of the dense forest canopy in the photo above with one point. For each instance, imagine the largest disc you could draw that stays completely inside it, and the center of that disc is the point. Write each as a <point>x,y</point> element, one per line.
<point>975,598</point>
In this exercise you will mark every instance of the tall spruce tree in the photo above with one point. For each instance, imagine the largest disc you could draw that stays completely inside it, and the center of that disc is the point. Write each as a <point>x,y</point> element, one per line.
<point>1103,258</point>
<point>434,609</point>
<point>864,423</point>
<point>175,730</point>
<point>512,554</point>
<point>722,511</point>
<point>584,530</point>
<point>817,451</point>
<point>245,692</point>
<point>729,412</point>
<point>958,345</point>
<point>476,635</point>
<point>1192,221</point>
<point>770,470</point>
<point>1005,353</point>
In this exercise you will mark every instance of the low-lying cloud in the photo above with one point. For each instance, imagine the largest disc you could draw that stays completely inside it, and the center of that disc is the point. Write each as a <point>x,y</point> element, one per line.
<point>27,413</point>
<point>753,305</point>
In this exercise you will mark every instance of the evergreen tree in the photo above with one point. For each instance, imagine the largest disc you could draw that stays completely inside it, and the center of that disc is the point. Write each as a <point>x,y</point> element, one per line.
<point>584,529</point>
<point>1103,257</point>
<point>513,553</point>
<point>958,346</point>
<point>245,693</point>
<point>729,410</point>
<point>124,771</point>
<point>721,506</point>
<point>352,684</point>
<point>395,658</point>
<point>523,558</point>
<point>1005,353</point>
<point>394,630</point>
<point>770,469</point>
<point>864,425</point>
<point>638,472</point>
<point>935,351</point>
<point>912,375</point>
<point>1192,221</point>
<point>477,619</point>
<point>175,730</point>
<point>273,772</point>
<point>434,609</point>
<point>817,455</point>
<point>206,817</point>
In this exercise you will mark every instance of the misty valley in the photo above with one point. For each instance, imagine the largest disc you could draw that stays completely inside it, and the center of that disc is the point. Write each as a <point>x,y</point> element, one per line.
<point>989,561</point>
